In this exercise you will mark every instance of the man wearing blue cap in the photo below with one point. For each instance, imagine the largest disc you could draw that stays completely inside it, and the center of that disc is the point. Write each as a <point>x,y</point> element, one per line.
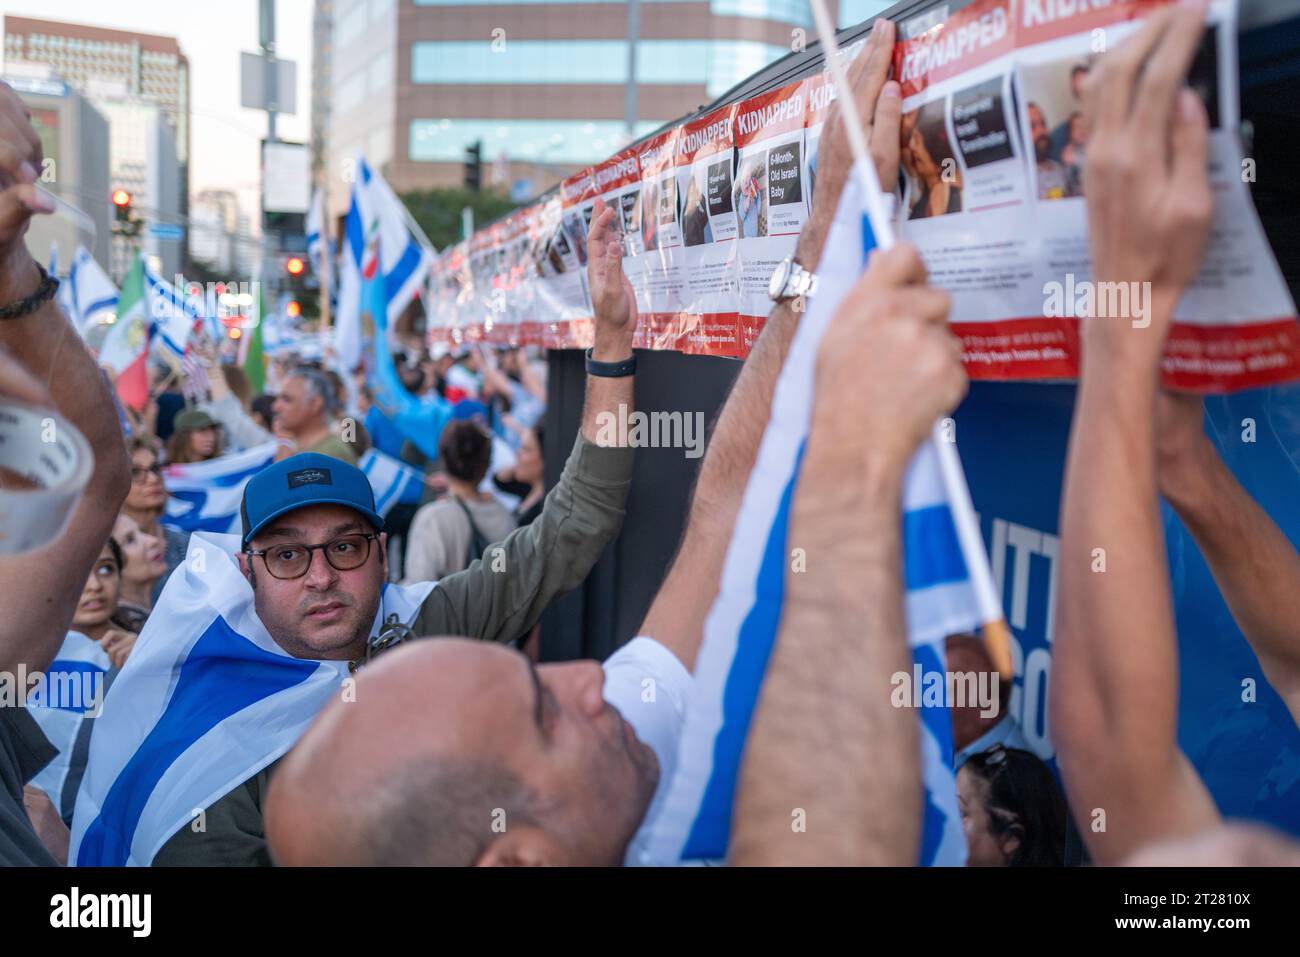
<point>315,553</point>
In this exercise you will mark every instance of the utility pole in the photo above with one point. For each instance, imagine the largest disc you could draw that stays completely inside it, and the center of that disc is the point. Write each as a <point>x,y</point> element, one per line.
<point>266,41</point>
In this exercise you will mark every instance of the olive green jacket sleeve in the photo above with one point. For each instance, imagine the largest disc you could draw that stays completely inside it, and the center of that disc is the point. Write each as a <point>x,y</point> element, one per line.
<point>500,596</point>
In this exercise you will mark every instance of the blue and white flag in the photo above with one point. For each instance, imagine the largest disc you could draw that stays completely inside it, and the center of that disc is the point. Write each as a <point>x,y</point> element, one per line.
<point>69,694</point>
<point>86,293</point>
<point>206,700</point>
<point>205,496</point>
<point>392,479</point>
<point>742,626</point>
<point>402,261</point>
<point>173,314</point>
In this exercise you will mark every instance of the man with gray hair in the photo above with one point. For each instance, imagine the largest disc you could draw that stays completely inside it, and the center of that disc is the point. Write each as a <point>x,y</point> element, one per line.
<point>304,410</point>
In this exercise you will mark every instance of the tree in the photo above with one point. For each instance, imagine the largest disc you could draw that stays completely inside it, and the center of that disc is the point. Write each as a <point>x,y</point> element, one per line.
<point>438,211</point>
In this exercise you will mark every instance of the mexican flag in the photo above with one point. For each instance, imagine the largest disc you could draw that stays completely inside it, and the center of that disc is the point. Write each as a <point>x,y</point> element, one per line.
<point>125,352</point>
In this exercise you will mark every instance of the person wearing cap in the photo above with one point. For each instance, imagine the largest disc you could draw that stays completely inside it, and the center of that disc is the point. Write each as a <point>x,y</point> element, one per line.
<point>196,437</point>
<point>314,551</point>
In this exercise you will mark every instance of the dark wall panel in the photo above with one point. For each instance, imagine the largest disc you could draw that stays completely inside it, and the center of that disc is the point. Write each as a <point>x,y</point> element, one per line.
<point>606,611</point>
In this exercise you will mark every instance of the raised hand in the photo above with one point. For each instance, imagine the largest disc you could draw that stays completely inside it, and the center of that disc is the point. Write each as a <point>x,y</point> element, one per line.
<point>612,299</point>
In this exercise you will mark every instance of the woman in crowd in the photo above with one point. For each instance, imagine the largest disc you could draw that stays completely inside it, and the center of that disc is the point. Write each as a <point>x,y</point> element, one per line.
<point>527,479</point>
<point>1011,810</point>
<point>144,569</point>
<point>98,613</point>
<point>145,503</point>
<point>448,534</point>
<point>196,437</point>
<point>65,710</point>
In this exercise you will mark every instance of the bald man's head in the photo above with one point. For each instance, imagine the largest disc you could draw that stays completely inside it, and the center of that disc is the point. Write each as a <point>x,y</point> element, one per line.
<point>456,752</point>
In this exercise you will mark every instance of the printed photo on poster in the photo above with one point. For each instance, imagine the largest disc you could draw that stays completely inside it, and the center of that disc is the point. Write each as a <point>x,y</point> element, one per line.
<point>750,197</point>
<point>1053,112</point>
<point>696,230</point>
<point>575,228</point>
<point>930,163</point>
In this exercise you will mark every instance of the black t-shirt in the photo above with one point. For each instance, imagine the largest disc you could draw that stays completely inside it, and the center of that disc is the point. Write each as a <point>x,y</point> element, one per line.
<point>24,750</point>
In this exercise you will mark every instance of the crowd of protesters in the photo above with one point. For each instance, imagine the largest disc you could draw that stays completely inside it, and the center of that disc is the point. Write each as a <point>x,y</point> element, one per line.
<point>565,748</point>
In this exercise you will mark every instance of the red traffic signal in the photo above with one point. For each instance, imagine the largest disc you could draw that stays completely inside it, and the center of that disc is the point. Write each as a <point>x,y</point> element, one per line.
<point>121,198</point>
<point>294,266</point>
<point>293,310</point>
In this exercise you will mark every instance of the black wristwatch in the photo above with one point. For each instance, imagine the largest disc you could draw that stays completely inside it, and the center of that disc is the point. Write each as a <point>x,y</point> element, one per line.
<point>43,294</point>
<point>611,370</point>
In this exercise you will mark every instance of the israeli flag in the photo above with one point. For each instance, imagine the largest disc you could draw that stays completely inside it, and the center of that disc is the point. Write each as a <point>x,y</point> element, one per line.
<point>69,694</point>
<point>205,496</point>
<point>206,700</point>
<point>173,314</point>
<point>742,626</point>
<point>403,261</point>
<point>392,479</point>
<point>86,292</point>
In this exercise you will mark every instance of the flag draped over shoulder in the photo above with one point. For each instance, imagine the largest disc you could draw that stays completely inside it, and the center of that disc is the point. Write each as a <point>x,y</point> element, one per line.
<point>206,700</point>
<point>71,691</point>
<point>741,628</point>
<point>205,496</point>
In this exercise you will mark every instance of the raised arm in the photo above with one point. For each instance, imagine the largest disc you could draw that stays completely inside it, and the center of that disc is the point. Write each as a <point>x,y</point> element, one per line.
<point>1114,682</point>
<point>826,736</point>
<point>501,596</point>
<point>1255,566</point>
<point>676,617</point>
<point>41,588</point>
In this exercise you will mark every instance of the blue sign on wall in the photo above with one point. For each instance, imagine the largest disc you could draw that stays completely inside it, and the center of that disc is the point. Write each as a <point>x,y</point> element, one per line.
<point>1012,438</point>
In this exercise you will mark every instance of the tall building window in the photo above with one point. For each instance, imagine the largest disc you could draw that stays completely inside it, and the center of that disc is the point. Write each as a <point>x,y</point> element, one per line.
<point>716,64</point>
<point>522,61</point>
<point>853,12</point>
<point>564,142</point>
<point>796,12</point>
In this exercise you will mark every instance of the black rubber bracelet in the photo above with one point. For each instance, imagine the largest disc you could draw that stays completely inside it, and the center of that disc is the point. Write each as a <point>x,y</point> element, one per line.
<point>611,370</point>
<point>43,294</point>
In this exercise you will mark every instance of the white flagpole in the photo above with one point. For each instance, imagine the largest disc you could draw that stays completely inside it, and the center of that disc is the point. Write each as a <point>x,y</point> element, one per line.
<point>997,636</point>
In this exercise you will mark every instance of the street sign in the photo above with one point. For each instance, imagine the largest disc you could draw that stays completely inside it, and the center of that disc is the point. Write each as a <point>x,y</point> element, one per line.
<point>252,83</point>
<point>286,177</point>
<point>166,231</point>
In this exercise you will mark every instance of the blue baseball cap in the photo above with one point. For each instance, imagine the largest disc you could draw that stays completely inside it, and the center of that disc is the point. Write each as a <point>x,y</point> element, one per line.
<point>307,478</point>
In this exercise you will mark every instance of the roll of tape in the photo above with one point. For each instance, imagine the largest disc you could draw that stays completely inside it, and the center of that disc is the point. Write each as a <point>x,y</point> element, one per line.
<point>47,450</point>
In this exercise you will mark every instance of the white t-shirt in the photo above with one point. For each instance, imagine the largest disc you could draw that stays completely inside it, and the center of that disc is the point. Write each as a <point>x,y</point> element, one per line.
<point>649,686</point>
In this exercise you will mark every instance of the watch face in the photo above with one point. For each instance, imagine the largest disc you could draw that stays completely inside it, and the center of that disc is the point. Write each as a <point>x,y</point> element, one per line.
<point>779,278</point>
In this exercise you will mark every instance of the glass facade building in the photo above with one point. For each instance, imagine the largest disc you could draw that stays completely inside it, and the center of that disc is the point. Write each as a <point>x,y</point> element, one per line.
<point>544,87</point>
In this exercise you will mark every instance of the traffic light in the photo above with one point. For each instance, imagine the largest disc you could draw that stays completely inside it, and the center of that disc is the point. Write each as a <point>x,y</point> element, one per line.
<point>474,166</point>
<point>294,266</point>
<point>293,310</point>
<point>122,205</point>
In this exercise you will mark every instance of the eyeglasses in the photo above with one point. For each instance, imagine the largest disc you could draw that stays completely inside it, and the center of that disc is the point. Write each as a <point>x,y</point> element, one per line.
<point>291,560</point>
<point>140,473</point>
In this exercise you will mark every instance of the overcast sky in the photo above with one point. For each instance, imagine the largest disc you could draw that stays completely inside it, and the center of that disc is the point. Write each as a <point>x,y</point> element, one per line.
<point>224,137</point>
